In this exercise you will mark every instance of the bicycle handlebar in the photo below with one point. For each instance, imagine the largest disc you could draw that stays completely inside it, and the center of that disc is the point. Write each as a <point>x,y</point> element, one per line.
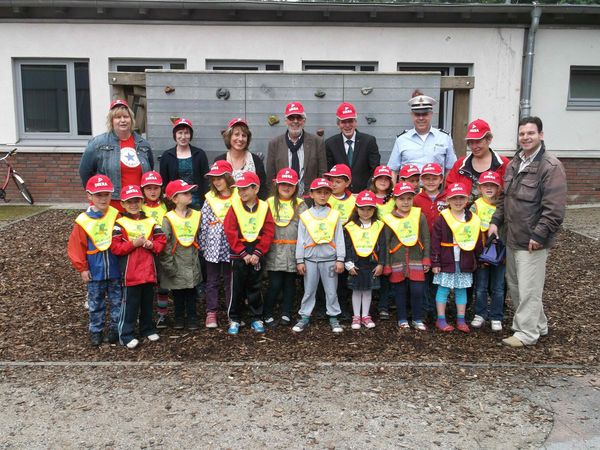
<point>12,152</point>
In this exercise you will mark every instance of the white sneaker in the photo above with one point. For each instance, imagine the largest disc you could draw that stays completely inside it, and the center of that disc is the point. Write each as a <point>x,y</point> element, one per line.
<point>496,325</point>
<point>132,344</point>
<point>477,322</point>
<point>153,337</point>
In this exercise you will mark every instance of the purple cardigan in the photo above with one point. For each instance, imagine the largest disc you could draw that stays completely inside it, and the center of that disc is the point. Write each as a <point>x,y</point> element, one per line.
<point>443,257</point>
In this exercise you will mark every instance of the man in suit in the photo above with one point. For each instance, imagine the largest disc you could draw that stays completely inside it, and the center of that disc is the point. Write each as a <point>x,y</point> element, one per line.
<point>298,149</point>
<point>353,148</point>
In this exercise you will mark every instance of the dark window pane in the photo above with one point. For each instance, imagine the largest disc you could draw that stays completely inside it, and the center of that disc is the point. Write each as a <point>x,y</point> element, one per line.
<point>273,67</point>
<point>136,68</point>
<point>585,84</point>
<point>177,66</point>
<point>82,99</point>
<point>461,71</point>
<point>45,98</point>
<point>367,68</point>
<point>329,67</point>
<point>234,68</point>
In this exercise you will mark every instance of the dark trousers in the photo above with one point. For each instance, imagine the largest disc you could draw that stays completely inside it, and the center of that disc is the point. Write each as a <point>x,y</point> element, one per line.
<point>184,301</point>
<point>280,283</point>
<point>416,299</point>
<point>214,271</point>
<point>137,301</point>
<point>246,285</point>
<point>343,294</point>
<point>384,294</point>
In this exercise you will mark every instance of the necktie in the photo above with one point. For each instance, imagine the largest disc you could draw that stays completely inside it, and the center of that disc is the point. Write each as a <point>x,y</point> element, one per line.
<point>350,151</point>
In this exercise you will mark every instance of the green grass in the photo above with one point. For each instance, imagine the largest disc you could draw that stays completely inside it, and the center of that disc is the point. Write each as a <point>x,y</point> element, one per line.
<point>12,212</point>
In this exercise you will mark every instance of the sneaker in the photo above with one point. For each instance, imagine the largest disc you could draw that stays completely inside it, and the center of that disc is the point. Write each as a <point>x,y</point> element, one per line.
<point>384,315</point>
<point>270,322</point>
<point>192,324</point>
<point>444,326</point>
<point>301,325</point>
<point>477,322</point>
<point>335,325</point>
<point>179,323</point>
<point>368,322</point>
<point>285,321</point>
<point>419,325</point>
<point>161,322</point>
<point>355,322</point>
<point>211,320</point>
<point>258,326</point>
<point>153,337</point>
<point>132,344</point>
<point>403,325</point>
<point>86,305</point>
<point>462,326</point>
<point>234,328</point>
<point>113,337</point>
<point>96,339</point>
<point>496,325</point>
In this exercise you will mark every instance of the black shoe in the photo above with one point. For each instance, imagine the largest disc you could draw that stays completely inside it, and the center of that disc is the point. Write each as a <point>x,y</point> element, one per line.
<point>285,321</point>
<point>162,322</point>
<point>96,339</point>
<point>345,317</point>
<point>179,323</point>
<point>112,337</point>
<point>384,315</point>
<point>270,323</point>
<point>192,324</point>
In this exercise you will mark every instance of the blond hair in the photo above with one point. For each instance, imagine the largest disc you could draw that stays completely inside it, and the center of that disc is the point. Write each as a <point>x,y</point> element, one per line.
<point>112,114</point>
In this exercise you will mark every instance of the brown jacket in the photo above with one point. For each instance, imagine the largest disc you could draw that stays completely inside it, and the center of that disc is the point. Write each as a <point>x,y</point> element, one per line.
<point>532,205</point>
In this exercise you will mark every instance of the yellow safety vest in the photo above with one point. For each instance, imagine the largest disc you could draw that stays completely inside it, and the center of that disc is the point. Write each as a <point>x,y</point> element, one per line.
<point>250,223</point>
<point>137,228</point>
<point>286,211</point>
<point>156,212</point>
<point>344,207</point>
<point>99,230</point>
<point>465,233</point>
<point>219,205</point>
<point>386,208</point>
<point>322,230</point>
<point>485,211</point>
<point>406,228</point>
<point>185,229</point>
<point>364,240</point>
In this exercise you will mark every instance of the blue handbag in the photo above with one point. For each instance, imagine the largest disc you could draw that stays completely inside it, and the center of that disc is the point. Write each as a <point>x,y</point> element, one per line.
<point>494,252</point>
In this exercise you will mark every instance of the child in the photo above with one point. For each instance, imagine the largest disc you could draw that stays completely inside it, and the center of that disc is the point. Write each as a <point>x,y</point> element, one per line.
<point>410,174</point>
<point>281,259</point>
<point>88,250</point>
<point>249,228</point>
<point>488,276</point>
<point>320,250</point>
<point>213,242</point>
<point>455,245</point>
<point>155,207</point>
<point>136,239</point>
<point>180,266</point>
<point>365,255</point>
<point>407,241</point>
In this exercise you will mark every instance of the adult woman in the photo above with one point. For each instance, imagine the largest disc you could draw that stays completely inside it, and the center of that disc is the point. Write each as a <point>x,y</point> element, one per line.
<point>185,162</point>
<point>482,158</point>
<point>120,153</point>
<point>237,139</point>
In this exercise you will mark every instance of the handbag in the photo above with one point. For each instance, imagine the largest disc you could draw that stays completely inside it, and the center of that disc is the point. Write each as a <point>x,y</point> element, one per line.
<point>493,252</point>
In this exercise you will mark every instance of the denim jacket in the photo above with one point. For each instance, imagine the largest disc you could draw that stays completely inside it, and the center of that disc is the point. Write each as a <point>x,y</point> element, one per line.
<point>103,156</point>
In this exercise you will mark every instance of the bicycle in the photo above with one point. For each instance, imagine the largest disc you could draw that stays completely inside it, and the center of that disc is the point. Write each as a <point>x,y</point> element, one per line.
<point>18,179</point>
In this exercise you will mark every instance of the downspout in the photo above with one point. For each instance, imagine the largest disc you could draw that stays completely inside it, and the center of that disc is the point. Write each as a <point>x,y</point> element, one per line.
<point>527,73</point>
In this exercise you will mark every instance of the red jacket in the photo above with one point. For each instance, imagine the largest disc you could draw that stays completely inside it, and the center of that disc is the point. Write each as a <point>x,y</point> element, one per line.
<point>431,208</point>
<point>462,170</point>
<point>259,247</point>
<point>137,263</point>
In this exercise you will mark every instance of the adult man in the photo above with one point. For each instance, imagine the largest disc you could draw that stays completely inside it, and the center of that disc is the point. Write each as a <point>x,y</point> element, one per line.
<point>357,150</point>
<point>422,144</point>
<point>532,208</point>
<point>302,151</point>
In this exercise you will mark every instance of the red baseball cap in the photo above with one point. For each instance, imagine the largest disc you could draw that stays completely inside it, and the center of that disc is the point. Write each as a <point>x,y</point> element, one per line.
<point>151,178</point>
<point>99,183</point>
<point>346,111</point>
<point>235,121</point>
<point>432,169</point>
<point>247,179</point>
<point>456,189</point>
<point>403,188</point>
<point>477,130</point>
<point>409,170</point>
<point>286,175</point>
<point>490,177</point>
<point>182,121</point>
<point>177,187</point>
<point>366,198</point>
<point>294,109</point>
<point>131,191</point>
<point>319,183</point>
<point>118,102</point>
<point>382,171</point>
<point>219,168</point>
<point>339,170</point>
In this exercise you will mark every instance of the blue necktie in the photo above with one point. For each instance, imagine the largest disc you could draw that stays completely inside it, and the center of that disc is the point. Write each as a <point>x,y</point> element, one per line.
<point>350,151</point>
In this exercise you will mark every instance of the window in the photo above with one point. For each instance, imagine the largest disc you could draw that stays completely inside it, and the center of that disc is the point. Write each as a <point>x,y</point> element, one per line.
<point>584,88</point>
<point>221,64</point>
<point>140,65</point>
<point>338,66</point>
<point>53,98</point>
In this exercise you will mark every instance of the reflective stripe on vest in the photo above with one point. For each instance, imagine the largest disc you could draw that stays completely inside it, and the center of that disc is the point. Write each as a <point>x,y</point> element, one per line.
<point>364,240</point>
<point>156,212</point>
<point>286,211</point>
<point>344,207</point>
<point>137,228</point>
<point>99,230</point>
<point>185,229</point>
<point>322,230</point>
<point>465,233</point>
<point>406,228</point>
<point>485,211</point>
<point>250,223</point>
<point>219,205</point>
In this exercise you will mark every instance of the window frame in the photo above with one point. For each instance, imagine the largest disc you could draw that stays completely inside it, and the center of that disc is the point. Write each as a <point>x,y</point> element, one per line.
<point>580,103</point>
<point>341,66</point>
<point>113,63</point>
<point>240,65</point>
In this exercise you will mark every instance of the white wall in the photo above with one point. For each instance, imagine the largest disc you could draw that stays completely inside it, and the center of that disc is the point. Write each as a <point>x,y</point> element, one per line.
<point>496,54</point>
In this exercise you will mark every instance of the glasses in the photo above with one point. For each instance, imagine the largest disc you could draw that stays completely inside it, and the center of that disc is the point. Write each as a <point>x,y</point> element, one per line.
<point>295,118</point>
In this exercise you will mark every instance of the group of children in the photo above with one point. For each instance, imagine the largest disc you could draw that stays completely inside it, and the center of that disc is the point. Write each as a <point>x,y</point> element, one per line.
<point>413,242</point>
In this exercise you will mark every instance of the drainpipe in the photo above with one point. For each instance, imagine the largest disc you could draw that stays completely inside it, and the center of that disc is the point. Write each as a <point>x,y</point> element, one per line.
<point>527,73</point>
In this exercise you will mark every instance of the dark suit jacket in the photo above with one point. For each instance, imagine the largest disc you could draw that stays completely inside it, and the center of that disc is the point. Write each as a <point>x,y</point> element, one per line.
<point>315,161</point>
<point>365,158</point>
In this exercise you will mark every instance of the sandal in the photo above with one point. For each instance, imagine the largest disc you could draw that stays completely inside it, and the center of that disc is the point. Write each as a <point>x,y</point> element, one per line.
<point>463,327</point>
<point>446,328</point>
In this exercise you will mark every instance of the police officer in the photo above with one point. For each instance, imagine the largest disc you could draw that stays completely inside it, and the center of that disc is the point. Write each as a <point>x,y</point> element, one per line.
<point>422,144</point>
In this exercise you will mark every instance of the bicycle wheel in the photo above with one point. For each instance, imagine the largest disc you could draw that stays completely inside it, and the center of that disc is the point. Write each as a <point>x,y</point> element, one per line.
<point>20,182</point>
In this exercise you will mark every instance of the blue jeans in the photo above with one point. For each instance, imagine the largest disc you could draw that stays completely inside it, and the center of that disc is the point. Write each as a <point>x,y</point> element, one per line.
<point>101,293</point>
<point>416,299</point>
<point>490,278</point>
<point>384,294</point>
